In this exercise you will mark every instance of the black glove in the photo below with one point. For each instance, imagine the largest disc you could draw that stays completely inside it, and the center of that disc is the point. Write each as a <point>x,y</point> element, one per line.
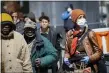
<point>75,58</point>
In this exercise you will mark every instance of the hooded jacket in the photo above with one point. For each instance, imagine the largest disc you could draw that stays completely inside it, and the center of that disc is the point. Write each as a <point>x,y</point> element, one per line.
<point>43,49</point>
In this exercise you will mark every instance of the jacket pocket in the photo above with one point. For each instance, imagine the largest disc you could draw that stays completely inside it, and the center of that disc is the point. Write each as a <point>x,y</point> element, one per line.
<point>19,66</point>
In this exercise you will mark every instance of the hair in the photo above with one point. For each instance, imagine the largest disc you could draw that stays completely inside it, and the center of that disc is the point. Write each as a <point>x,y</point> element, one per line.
<point>12,6</point>
<point>71,6</point>
<point>20,15</point>
<point>44,17</point>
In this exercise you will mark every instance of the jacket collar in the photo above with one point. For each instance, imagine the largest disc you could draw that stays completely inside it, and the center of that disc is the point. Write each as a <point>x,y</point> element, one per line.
<point>10,36</point>
<point>45,32</point>
<point>38,43</point>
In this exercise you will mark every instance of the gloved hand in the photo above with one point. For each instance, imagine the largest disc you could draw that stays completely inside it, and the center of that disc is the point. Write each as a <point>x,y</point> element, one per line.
<point>85,59</point>
<point>65,15</point>
<point>67,62</point>
<point>37,62</point>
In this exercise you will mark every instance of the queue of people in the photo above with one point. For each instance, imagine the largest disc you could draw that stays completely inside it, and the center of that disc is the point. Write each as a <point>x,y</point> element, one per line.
<point>28,47</point>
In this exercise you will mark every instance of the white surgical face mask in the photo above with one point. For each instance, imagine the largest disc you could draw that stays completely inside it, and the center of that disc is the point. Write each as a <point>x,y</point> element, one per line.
<point>81,21</point>
<point>69,9</point>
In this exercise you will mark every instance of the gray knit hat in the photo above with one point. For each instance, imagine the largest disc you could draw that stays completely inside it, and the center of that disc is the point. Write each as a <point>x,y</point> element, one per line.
<point>30,24</point>
<point>31,15</point>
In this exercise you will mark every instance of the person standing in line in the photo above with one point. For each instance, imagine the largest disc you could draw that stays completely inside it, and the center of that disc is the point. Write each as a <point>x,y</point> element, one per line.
<point>86,50</point>
<point>43,54</point>
<point>51,34</point>
<point>18,19</point>
<point>14,50</point>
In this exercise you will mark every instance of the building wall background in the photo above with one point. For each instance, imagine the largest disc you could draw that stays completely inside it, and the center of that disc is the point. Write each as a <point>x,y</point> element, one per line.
<point>55,9</point>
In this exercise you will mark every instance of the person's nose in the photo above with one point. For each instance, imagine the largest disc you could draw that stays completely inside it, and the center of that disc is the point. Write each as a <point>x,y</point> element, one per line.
<point>43,23</point>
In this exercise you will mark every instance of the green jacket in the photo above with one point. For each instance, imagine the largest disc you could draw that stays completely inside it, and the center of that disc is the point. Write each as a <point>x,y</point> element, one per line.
<point>44,50</point>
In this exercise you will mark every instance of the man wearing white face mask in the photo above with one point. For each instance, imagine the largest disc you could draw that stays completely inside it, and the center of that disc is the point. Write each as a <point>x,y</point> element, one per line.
<point>88,51</point>
<point>67,14</point>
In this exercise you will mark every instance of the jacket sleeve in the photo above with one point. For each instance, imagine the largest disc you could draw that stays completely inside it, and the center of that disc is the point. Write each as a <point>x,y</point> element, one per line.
<point>25,55</point>
<point>68,41</point>
<point>51,54</point>
<point>97,51</point>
